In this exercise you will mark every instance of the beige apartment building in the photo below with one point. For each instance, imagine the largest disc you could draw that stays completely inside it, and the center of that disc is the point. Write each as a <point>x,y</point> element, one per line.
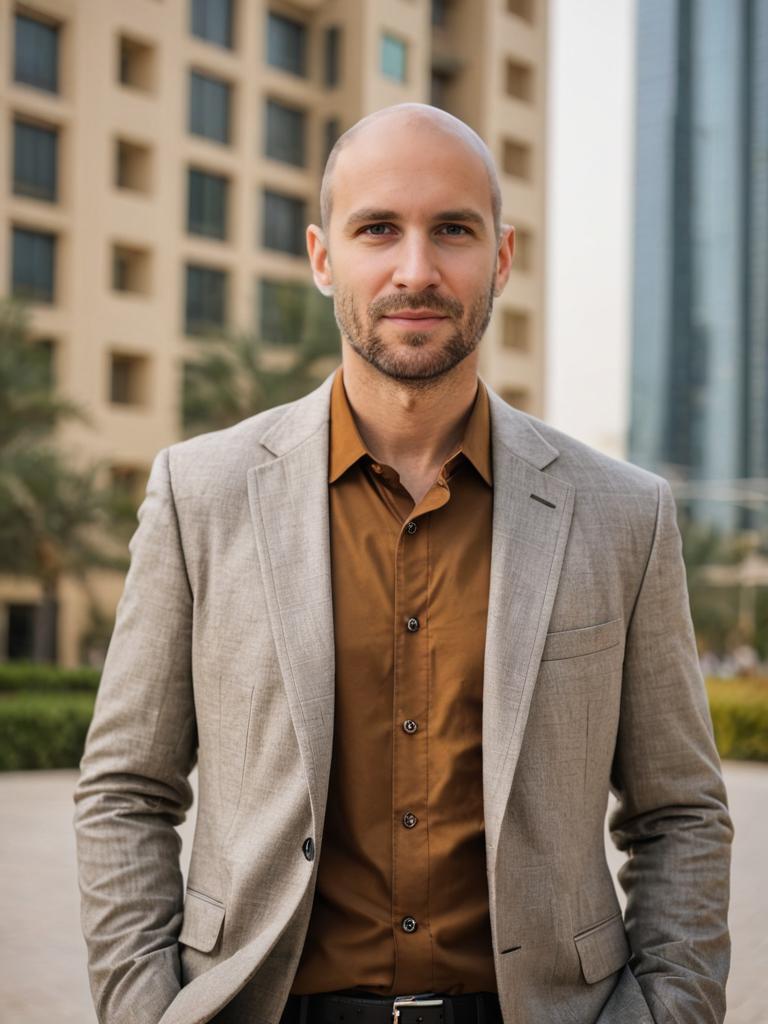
<point>161,160</point>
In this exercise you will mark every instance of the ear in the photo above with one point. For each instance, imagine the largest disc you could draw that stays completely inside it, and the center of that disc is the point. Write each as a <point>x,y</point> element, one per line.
<point>504,258</point>
<point>317,247</point>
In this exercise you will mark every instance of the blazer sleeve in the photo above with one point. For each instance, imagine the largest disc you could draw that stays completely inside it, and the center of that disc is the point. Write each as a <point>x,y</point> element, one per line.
<point>672,818</point>
<point>133,787</point>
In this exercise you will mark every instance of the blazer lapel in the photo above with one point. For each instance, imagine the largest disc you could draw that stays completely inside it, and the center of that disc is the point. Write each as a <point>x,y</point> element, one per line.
<point>288,499</point>
<point>531,519</point>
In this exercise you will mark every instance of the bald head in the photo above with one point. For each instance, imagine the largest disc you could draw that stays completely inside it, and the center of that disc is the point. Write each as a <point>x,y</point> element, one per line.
<point>410,116</point>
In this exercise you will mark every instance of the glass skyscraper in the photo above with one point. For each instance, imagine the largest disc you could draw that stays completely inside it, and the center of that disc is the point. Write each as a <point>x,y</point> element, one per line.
<point>699,387</point>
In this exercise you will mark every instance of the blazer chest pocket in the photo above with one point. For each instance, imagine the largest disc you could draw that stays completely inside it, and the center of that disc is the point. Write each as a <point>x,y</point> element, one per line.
<point>603,949</point>
<point>203,919</point>
<point>575,643</point>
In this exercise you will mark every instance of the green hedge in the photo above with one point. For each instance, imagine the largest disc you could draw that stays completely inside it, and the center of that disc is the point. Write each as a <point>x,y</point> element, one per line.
<point>43,730</point>
<point>739,710</point>
<point>28,677</point>
<point>43,722</point>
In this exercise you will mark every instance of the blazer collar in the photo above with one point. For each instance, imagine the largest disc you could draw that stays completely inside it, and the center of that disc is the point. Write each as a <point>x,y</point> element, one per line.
<point>509,427</point>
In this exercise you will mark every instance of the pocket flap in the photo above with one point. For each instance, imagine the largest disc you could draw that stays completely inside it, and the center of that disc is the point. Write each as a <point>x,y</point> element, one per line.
<point>203,918</point>
<point>603,949</point>
<point>571,643</point>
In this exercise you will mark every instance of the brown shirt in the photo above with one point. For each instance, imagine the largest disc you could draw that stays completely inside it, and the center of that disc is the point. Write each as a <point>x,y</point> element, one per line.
<point>401,904</point>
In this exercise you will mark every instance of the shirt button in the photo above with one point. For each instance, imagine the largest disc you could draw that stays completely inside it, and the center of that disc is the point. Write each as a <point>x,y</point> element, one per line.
<point>408,924</point>
<point>409,819</point>
<point>410,726</point>
<point>376,467</point>
<point>411,528</point>
<point>308,847</point>
<point>413,625</point>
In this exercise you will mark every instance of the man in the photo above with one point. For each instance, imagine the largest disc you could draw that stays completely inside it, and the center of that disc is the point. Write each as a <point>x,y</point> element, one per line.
<point>412,637</point>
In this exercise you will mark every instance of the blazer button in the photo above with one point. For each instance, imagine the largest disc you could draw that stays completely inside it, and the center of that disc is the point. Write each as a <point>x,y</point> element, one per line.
<point>408,924</point>
<point>309,848</point>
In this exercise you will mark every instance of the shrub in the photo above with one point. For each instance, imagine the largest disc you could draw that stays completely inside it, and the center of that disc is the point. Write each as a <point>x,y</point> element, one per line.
<point>739,710</point>
<point>28,677</point>
<point>43,730</point>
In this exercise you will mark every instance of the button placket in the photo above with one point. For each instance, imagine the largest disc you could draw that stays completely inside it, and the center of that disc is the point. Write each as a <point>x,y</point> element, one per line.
<point>410,865</point>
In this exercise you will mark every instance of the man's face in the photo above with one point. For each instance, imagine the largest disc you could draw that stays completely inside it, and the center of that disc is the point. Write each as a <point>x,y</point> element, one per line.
<point>412,253</point>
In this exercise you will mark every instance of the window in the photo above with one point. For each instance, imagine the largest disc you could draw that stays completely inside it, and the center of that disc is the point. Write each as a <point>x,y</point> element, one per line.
<point>515,330</point>
<point>132,166</point>
<point>209,107</point>
<point>35,158</point>
<point>516,158</point>
<point>46,350</point>
<point>393,58</point>
<point>523,258</point>
<point>284,223</point>
<point>212,20</point>
<point>207,204</point>
<point>205,307</point>
<point>285,133</point>
<point>440,13</point>
<point>36,53</point>
<point>519,80</point>
<point>130,270</point>
<point>20,642</point>
<point>286,44</point>
<point>440,83</point>
<point>524,9</point>
<point>33,265</point>
<point>332,130</point>
<point>331,62</point>
<point>282,311</point>
<point>135,64</point>
<point>127,379</point>
<point>292,312</point>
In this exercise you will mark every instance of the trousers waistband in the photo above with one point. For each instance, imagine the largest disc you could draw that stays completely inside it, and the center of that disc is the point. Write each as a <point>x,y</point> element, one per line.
<point>424,1008</point>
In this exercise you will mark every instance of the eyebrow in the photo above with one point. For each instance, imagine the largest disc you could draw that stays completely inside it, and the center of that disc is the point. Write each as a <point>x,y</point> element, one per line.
<point>369,214</point>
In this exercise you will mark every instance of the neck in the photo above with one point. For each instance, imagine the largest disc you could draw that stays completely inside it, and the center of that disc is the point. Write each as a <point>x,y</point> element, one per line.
<point>412,428</point>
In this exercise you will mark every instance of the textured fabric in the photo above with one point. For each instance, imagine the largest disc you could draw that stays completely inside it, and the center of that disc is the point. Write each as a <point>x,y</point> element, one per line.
<point>223,650</point>
<point>378,866</point>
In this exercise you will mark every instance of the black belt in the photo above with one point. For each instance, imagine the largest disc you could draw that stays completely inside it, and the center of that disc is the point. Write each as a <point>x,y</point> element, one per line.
<point>426,1008</point>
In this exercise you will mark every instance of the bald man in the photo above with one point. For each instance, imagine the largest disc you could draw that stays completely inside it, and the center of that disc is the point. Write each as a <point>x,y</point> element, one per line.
<point>412,637</point>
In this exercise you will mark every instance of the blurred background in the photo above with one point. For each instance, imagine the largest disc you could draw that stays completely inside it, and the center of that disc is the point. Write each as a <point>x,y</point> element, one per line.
<point>160,161</point>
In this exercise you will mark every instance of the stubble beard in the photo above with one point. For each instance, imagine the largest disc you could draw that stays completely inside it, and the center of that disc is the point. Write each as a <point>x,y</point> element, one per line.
<point>400,366</point>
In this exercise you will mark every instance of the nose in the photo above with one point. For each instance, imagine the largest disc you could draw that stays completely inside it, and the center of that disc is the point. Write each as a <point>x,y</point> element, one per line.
<point>416,268</point>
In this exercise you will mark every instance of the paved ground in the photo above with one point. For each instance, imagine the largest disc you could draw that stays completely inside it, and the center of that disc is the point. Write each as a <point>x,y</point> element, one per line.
<point>42,955</point>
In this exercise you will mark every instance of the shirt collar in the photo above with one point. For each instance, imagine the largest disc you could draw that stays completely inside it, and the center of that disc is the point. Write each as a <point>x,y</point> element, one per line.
<point>346,445</point>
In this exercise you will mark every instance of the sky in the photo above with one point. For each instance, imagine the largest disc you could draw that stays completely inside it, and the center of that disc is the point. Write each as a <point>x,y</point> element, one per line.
<point>591,100</point>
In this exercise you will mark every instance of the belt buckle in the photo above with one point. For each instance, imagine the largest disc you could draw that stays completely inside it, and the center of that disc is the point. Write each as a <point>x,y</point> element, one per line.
<point>413,1001</point>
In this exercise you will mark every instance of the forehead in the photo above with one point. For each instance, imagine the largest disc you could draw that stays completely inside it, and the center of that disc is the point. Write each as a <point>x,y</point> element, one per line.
<point>412,168</point>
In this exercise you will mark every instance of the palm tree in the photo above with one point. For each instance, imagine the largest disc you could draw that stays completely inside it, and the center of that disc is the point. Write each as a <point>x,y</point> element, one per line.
<point>54,517</point>
<point>239,374</point>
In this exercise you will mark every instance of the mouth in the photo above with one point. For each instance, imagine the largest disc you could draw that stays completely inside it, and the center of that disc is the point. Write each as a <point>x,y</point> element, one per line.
<point>421,319</point>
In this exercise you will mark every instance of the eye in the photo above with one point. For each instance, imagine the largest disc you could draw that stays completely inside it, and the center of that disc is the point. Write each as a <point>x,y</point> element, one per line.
<point>376,230</point>
<point>455,230</point>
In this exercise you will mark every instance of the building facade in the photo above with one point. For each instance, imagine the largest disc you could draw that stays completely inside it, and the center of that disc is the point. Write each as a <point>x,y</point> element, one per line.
<point>699,410</point>
<point>164,157</point>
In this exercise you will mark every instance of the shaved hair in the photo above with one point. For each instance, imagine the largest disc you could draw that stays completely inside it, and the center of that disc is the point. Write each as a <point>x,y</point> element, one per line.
<point>413,113</point>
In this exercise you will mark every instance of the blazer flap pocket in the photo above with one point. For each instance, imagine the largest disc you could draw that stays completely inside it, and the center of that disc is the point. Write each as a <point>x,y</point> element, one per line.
<point>571,643</point>
<point>603,949</point>
<point>203,918</point>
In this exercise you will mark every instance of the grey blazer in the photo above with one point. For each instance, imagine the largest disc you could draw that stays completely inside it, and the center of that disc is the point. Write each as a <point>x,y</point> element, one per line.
<point>223,653</point>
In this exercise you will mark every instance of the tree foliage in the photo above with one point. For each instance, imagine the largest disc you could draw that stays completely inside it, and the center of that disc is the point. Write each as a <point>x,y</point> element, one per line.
<point>55,517</point>
<point>239,374</point>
